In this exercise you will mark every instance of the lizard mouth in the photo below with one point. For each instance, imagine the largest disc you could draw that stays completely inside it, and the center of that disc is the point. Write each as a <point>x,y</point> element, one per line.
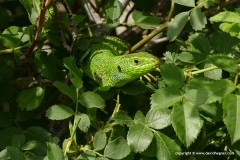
<point>144,69</point>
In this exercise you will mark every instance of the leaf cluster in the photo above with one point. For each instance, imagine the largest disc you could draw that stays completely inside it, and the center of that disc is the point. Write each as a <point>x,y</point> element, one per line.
<point>50,109</point>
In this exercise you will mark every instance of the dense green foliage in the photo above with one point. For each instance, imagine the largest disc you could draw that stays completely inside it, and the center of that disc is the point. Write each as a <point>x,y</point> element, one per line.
<point>50,109</point>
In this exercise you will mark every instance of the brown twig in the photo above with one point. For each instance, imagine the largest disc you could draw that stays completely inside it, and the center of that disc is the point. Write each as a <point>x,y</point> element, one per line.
<point>72,25</point>
<point>37,30</point>
<point>59,25</point>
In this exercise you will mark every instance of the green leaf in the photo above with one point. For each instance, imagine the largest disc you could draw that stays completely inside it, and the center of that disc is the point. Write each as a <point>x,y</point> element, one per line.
<point>224,43</point>
<point>13,36</point>
<point>139,118</point>
<point>38,133</point>
<point>158,99</point>
<point>4,154</point>
<point>33,9</point>
<point>121,117</point>
<point>224,62</point>
<point>172,75</point>
<point>101,158</point>
<point>188,3</point>
<point>158,118</point>
<point>186,57</point>
<point>166,147</point>
<point>210,109</point>
<point>84,123</point>
<point>47,65</point>
<point>139,137</point>
<point>176,25</point>
<point>208,3</point>
<point>15,153</point>
<point>203,92</point>
<point>99,141</point>
<point>200,42</point>
<point>59,112</point>
<point>170,57</point>
<point>18,140</point>
<point>117,149</point>
<point>27,4</point>
<point>79,18</point>
<point>87,155</point>
<point>76,80</point>
<point>92,100</point>
<point>134,88</point>
<point>235,148</point>
<point>197,19</point>
<point>145,20</point>
<point>67,90</point>
<point>186,123</point>
<point>231,28</point>
<point>30,145</point>
<point>221,17</point>
<point>6,136</point>
<point>113,9</point>
<point>231,112</point>
<point>30,99</point>
<point>215,74</point>
<point>54,152</point>
<point>76,74</point>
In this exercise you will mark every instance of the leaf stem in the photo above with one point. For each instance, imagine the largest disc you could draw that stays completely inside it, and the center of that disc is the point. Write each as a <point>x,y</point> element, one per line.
<point>76,120</point>
<point>10,50</point>
<point>171,11</point>
<point>204,70</point>
<point>86,149</point>
<point>147,38</point>
<point>117,107</point>
<point>236,80</point>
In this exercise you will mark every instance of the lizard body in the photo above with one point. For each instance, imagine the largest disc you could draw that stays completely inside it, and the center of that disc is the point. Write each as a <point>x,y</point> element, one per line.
<point>108,67</point>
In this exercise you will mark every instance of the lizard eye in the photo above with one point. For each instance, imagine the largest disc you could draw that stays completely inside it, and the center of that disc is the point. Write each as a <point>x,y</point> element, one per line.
<point>136,61</point>
<point>119,69</point>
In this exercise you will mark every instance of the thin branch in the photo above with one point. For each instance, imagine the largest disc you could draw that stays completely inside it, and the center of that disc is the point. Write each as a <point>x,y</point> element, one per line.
<point>153,42</point>
<point>91,12</point>
<point>59,25</point>
<point>38,30</point>
<point>147,38</point>
<point>124,4</point>
<point>72,25</point>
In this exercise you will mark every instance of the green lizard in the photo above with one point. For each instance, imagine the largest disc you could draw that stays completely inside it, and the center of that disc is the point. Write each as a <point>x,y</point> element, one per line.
<point>107,66</point>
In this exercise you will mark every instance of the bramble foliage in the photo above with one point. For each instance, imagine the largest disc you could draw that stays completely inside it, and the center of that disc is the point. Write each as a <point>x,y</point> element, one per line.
<point>51,110</point>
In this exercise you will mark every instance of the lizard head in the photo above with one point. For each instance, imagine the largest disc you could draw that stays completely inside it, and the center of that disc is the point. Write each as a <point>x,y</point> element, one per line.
<point>133,66</point>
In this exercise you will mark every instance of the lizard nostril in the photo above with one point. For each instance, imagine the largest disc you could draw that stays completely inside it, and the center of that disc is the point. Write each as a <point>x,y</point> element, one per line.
<point>136,61</point>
